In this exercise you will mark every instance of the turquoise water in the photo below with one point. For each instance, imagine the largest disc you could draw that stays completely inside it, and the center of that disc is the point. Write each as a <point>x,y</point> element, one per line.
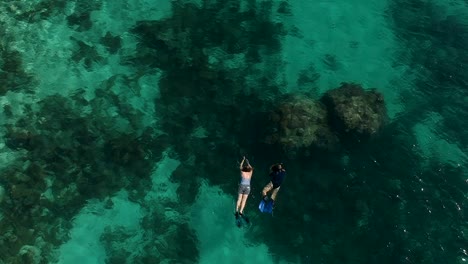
<point>123,124</point>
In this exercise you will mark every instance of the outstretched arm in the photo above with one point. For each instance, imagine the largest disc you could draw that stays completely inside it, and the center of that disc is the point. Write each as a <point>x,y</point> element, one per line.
<point>242,163</point>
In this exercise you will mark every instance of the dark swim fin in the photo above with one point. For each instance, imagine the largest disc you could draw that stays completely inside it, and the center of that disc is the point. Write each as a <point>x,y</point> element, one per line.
<point>241,220</point>
<point>246,219</point>
<point>238,220</point>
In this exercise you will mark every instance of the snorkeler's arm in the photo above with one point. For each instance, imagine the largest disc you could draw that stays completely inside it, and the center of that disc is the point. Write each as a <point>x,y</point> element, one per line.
<point>242,163</point>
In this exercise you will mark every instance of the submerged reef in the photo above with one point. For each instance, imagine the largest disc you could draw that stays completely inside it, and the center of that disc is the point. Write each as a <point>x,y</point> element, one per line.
<point>12,75</point>
<point>35,11</point>
<point>353,110</point>
<point>347,113</point>
<point>300,122</point>
<point>71,152</point>
<point>187,37</point>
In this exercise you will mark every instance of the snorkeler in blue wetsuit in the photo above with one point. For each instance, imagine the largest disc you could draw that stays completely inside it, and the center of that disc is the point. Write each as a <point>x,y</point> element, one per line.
<point>277,175</point>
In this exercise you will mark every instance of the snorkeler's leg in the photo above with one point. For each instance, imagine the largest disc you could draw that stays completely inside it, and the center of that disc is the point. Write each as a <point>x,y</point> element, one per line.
<point>239,202</point>
<point>266,189</point>
<point>244,200</point>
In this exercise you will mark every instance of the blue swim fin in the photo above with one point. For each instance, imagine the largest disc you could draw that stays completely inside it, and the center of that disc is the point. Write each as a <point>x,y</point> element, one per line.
<point>266,206</point>
<point>269,206</point>
<point>261,206</point>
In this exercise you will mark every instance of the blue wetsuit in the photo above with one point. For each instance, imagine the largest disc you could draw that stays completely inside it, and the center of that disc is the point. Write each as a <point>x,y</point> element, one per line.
<point>277,178</point>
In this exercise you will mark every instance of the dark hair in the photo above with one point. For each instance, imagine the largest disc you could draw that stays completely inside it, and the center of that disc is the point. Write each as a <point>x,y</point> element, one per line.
<point>275,167</point>
<point>247,168</point>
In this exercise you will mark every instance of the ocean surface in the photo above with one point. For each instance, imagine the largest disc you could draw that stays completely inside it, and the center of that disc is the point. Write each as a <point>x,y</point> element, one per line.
<point>123,123</point>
